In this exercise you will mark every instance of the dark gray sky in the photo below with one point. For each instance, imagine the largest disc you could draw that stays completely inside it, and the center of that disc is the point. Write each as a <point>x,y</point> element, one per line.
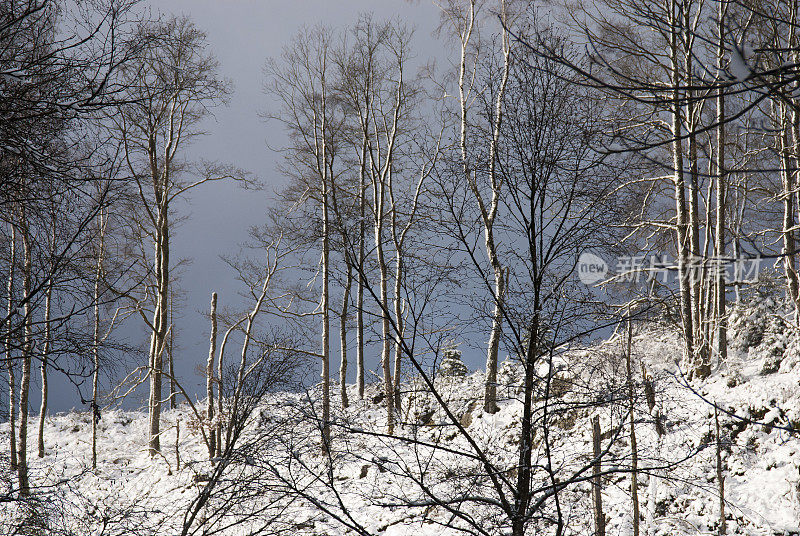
<point>243,34</point>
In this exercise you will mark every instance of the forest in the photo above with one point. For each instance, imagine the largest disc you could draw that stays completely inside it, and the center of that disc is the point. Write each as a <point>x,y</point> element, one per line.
<point>599,198</point>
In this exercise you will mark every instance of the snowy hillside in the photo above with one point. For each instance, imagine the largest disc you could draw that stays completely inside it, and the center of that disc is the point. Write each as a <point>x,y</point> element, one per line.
<point>376,480</point>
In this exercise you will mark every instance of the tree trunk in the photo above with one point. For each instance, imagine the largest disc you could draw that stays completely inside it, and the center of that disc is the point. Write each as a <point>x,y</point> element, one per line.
<point>12,391</point>
<point>95,361</point>
<point>27,349</point>
<point>362,232</point>
<point>631,409</point>
<point>399,326</point>
<point>386,336</point>
<point>173,401</point>
<point>698,266</point>
<point>682,227</point>
<point>343,335</point>
<point>96,338</point>
<point>788,232</point>
<point>360,318</point>
<point>523,492</point>
<point>160,321</point>
<point>212,445</point>
<point>383,271</point>
<point>722,322</point>
<point>43,368</point>
<point>490,388</point>
<point>326,323</point>
<point>722,527</point>
<point>597,481</point>
<point>793,147</point>
<point>487,213</point>
<point>48,297</point>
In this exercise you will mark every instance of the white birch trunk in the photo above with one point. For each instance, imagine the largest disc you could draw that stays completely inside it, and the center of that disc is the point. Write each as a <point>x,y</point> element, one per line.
<point>25,382</point>
<point>12,390</point>
<point>212,446</point>
<point>160,322</point>
<point>488,211</point>
<point>683,242</point>
<point>326,323</point>
<point>96,337</point>
<point>48,297</point>
<point>362,200</point>
<point>343,335</point>
<point>399,325</point>
<point>43,368</point>
<point>722,184</point>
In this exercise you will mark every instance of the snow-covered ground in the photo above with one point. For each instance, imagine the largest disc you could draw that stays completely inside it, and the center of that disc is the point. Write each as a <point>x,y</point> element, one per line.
<point>384,485</point>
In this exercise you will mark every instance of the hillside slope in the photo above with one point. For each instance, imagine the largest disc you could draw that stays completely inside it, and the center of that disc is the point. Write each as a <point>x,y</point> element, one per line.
<point>376,480</point>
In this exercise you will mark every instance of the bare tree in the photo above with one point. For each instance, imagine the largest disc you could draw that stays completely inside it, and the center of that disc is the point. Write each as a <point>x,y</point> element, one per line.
<point>303,87</point>
<point>212,447</point>
<point>12,391</point>
<point>47,342</point>
<point>557,190</point>
<point>379,98</point>
<point>26,357</point>
<point>173,84</point>
<point>466,18</point>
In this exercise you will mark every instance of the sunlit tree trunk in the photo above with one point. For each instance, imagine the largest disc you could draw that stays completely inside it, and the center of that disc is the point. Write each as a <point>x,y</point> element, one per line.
<point>327,179</point>
<point>158,339</point>
<point>12,390</point>
<point>631,411</point>
<point>683,242</point>
<point>788,230</point>
<point>722,184</point>
<point>27,349</point>
<point>212,445</point>
<point>47,345</point>
<point>399,326</point>
<point>466,27</point>
<point>386,323</point>
<point>173,400</point>
<point>597,481</point>
<point>96,343</point>
<point>691,118</point>
<point>490,390</point>
<point>360,280</point>
<point>343,334</point>
<point>48,297</point>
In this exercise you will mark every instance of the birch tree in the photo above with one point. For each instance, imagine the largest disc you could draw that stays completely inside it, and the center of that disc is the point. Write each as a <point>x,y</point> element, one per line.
<point>212,447</point>
<point>650,63</point>
<point>303,85</point>
<point>26,353</point>
<point>465,20</point>
<point>174,84</point>
<point>380,99</point>
<point>9,356</point>
<point>47,342</point>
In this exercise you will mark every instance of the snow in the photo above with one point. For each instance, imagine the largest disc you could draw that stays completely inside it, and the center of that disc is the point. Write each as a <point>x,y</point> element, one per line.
<point>739,65</point>
<point>371,471</point>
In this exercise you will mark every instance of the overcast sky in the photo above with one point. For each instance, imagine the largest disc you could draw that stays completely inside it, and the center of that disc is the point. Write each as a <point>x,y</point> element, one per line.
<point>243,34</point>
